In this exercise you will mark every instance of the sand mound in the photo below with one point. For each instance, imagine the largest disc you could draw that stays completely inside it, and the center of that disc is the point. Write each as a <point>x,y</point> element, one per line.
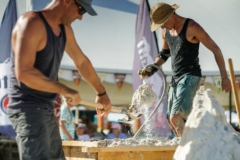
<point>138,142</point>
<point>207,135</point>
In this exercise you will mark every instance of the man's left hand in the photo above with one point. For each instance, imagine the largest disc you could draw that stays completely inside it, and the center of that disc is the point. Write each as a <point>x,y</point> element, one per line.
<point>226,85</point>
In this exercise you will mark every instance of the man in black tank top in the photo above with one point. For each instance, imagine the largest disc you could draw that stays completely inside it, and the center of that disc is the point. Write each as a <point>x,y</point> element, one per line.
<point>39,40</point>
<point>180,41</point>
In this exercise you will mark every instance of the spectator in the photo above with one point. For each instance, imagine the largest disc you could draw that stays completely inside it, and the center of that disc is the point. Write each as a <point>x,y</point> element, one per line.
<point>86,121</point>
<point>67,125</point>
<point>127,130</point>
<point>82,132</point>
<point>94,135</point>
<point>116,132</point>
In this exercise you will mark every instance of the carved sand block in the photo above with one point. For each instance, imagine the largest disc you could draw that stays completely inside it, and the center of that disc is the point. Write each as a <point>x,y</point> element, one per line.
<point>80,150</point>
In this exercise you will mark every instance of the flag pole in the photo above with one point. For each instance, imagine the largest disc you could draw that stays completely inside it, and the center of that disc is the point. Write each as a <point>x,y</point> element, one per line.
<point>154,33</point>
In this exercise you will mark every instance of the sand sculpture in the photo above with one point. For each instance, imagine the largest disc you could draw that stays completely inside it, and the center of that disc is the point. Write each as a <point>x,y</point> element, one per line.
<point>207,135</point>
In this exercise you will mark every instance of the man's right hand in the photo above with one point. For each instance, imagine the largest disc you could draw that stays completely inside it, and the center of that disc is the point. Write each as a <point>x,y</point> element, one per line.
<point>144,73</point>
<point>72,97</point>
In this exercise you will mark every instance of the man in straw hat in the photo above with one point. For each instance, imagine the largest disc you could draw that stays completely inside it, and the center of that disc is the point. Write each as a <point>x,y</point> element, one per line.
<point>180,41</point>
<point>39,40</point>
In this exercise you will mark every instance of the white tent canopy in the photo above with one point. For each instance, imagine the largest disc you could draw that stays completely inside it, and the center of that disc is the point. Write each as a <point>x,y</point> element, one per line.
<point>108,39</point>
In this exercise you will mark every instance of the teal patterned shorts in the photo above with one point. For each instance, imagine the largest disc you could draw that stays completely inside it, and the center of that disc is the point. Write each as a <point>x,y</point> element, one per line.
<point>180,97</point>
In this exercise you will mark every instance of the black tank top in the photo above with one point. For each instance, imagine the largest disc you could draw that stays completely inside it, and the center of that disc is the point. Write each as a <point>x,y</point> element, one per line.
<point>23,98</point>
<point>184,54</point>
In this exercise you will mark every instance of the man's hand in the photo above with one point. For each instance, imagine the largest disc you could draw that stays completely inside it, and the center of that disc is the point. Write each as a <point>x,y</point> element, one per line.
<point>105,101</point>
<point>148,71</point>
<point>226,85</point>
<point>72,97</point>
<point>144,73</point>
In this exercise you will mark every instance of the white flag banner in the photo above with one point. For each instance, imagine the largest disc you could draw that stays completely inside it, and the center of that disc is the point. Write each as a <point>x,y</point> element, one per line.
<point>8,21</point>
<point>5,124</point>
<point>146,51</point>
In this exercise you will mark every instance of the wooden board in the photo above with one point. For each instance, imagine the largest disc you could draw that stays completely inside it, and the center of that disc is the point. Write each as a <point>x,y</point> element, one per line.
<point>81,150</point>
<point>129,148</point>
<point>75,153</point>
<point>155,155</point>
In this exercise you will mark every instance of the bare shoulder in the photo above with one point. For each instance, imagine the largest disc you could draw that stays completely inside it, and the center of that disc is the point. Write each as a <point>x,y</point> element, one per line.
<point>29,24</point>
<point>194,27</point>
<point>195,32</point>
<point>69,33</point>
<point>69,30</point>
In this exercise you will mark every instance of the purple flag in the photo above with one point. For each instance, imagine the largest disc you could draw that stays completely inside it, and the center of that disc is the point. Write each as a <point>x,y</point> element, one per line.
<point>8,21</point>
<point>146,51</point>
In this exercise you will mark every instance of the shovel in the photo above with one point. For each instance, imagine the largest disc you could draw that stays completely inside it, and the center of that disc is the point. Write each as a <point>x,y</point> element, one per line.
<point>129,115</point>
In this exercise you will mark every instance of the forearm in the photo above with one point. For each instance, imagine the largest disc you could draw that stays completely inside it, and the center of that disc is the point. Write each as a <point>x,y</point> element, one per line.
<point>159,61</point>
<point>34,79</point>
<point>220,62</point>
<point>89,74</point>
<point>226,84</point>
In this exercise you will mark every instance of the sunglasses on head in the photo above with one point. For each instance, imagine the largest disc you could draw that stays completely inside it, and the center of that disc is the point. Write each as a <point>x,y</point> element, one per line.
<point>81,10</point>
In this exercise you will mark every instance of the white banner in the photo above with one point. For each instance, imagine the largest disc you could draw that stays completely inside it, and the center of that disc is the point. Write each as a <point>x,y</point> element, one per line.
<point>5,69</point>
<point>146,51</point>
<point>5,124</point>
<point>8,21</point>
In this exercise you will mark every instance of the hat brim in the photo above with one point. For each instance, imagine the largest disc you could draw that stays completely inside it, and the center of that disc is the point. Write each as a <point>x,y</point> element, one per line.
<point>89,9</point>
<point>155,26</point>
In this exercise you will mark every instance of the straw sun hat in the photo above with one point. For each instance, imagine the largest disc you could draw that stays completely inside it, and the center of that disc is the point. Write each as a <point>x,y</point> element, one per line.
<point>160,13</point>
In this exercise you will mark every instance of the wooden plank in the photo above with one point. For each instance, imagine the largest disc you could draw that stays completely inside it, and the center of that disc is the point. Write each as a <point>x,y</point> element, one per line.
<point>155,155</point>
<point>234,88</point>
<point>129,148</point>
<point>75,153</point>
<point>80,143</point>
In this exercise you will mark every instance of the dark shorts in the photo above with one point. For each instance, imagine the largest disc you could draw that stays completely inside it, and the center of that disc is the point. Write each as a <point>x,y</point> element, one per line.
<point>180,97</point>
<point>38,136</point>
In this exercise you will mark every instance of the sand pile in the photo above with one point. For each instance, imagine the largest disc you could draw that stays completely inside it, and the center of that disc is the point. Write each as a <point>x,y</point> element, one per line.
<point>207,135</point>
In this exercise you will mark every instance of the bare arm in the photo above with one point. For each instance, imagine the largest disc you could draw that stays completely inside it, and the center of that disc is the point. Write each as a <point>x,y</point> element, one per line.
<point>202,36</point>
<point>86,69</point>
<point>27,39</point>
<point>159,61</point>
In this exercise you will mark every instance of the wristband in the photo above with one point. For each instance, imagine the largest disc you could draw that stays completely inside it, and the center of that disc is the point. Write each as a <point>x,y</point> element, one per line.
<point>102,94</point>
<point>164,54</point>
<point>149,74</point>
<point>153,70</point>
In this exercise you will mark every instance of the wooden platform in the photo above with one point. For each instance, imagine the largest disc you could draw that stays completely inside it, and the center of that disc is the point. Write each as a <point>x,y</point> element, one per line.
<point>78,150</point>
